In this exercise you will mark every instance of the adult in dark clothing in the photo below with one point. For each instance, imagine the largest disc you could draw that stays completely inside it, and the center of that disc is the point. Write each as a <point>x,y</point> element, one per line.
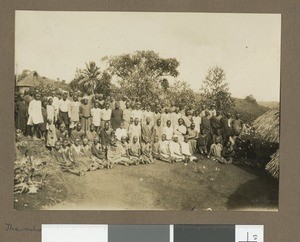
<point>226,127</point>
<point>22,115</point>
<point>116,117</point>
<point>215,122</point>
<point>105,135</point>
<point>206,126</point>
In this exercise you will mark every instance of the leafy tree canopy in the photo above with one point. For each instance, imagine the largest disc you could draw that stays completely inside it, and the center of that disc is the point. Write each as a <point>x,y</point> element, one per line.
<point>216,90</point>
<point>143,74</point>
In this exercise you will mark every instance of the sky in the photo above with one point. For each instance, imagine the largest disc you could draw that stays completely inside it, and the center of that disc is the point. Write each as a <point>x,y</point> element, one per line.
<point>246,46</point>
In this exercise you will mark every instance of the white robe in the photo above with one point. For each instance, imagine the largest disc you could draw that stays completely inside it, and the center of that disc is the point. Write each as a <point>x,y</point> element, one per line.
<point>35,112</point>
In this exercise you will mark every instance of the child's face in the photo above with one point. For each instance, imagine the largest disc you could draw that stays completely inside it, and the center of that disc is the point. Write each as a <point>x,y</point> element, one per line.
<point>65,143</point>
<point>50,101</point>
<point>78,127</point>
<point>123,140</point>
<point>156,139</point>
<point>135,139</point>
<point>163,138</point>
<point>57,145</point>
<point>84,141</point>
<point>76,142</point>
<point>168,123</point>
<point>92,127</point>
<point>96,141</point>
<point>62,128</point>
<point>96,105</point>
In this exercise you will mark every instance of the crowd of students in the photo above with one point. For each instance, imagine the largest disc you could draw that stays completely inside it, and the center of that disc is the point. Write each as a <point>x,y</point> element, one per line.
<point>89,132</point>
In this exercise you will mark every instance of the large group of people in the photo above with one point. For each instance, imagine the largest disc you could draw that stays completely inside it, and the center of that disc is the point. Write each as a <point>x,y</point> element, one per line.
<point>88,131</point>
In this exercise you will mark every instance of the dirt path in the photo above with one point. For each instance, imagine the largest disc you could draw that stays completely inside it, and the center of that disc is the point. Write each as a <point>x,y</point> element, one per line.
<point>195,186</point>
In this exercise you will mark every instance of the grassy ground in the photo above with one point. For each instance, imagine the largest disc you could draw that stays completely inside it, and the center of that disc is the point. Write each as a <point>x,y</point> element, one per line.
<point>195,186</point>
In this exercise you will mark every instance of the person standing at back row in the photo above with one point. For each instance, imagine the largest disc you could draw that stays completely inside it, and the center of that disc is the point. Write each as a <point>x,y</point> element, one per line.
<point>64,110</point>
<point>116,117</point>
<point>35,115</point>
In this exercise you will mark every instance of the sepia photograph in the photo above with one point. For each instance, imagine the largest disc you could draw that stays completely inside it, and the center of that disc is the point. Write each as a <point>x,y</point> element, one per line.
<point>147,111</point>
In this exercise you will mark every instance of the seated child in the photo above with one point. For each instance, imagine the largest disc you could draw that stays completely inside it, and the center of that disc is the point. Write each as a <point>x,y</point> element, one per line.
<point>202,143</point>
<point>123,146</point>
<point>62,133</point>
<point>186,150</point>
<point>164,151</point>
<point>216,152</point>
<point>91,133</point>
<point>219,136</point>
<point>121,132</point>
<point>63,159</point>
<point>77,133</point>
<point>99,152</point>
<point>114,153</point>
<point>147,151</point>
<point>228,152</point>
<point>92,162</point>
<point>175,150</point>
<point>134,150</point>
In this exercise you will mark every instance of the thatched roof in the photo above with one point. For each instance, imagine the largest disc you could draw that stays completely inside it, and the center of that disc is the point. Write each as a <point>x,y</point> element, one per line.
<point>273,166</point>
<point>29,80</point>
<point>267,125</point>
<point>32,79</point>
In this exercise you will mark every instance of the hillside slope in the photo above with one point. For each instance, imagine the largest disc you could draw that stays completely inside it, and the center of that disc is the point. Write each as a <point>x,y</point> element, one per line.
<point>269,104</point>
<point>249,110</point>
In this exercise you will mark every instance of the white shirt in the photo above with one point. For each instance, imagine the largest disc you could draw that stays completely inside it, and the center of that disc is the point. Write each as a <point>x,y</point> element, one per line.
<point>164,147</point>
<point>174,118</point>
<point>106,114</point>
<point>120,132</point>
<point>164,118</point>
<point>64,105</point>
<point>185,148</point>
<point>175,148</point>
<point>35,112</point>
<point>197,122</point>
<point>137,114</point>
<point>168,131</point>
<point>55,102</point>
<point>96,114</point>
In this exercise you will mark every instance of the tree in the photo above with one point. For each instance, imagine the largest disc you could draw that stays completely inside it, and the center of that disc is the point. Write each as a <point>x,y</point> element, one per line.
<point>142,74</point>
<point>91,79</point>
<point>216,90</point>
<point>181,93</point>
<point>251,99</point>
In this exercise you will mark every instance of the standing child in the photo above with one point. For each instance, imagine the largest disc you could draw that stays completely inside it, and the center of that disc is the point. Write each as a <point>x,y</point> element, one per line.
<point>85,114</point>
<point>96,116</point>
<point>51,134</point>
<point>50,110</point>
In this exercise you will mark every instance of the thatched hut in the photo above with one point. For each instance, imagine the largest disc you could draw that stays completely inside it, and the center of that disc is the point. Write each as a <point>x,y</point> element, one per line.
<point>267,125</point>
